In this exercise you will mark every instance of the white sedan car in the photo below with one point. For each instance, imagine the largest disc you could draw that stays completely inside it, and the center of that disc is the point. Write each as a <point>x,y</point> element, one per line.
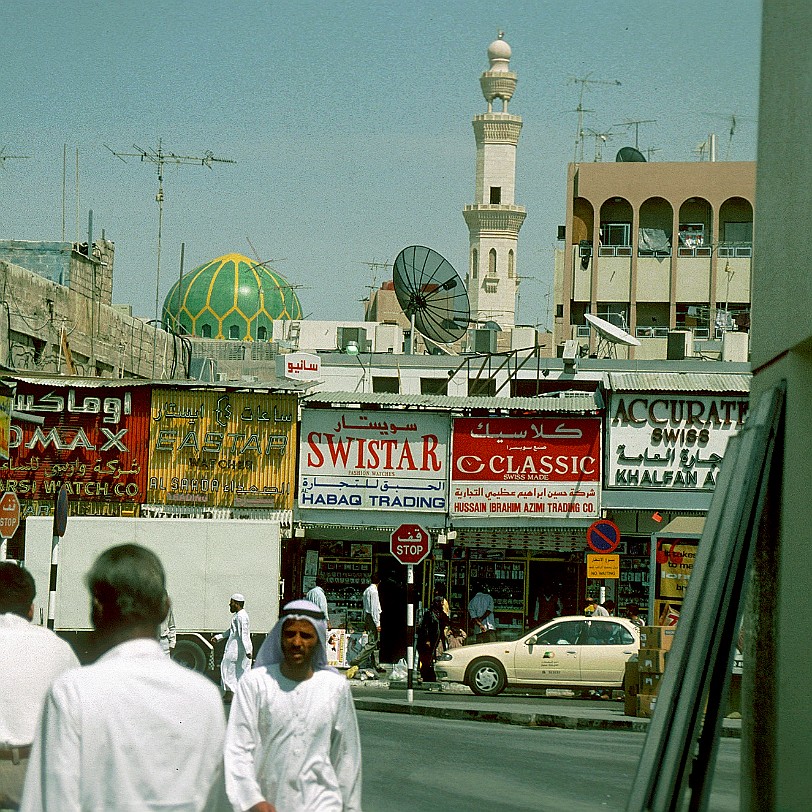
<point>568,652</point>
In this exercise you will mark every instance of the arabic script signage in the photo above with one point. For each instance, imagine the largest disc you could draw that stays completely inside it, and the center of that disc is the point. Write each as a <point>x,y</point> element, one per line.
<point>529,467</point>
<point>301,366</point>
<point>222,448</point>
<point>670,442</point>
<point>92,438</point>
<point>373,460</point>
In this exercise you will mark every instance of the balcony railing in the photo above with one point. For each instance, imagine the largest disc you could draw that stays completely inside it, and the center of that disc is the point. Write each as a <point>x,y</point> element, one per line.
<point>735,249</point>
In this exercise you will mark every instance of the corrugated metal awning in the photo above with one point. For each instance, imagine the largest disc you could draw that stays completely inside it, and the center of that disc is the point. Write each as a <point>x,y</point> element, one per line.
<point>560,402</point>
<point>679,382</point>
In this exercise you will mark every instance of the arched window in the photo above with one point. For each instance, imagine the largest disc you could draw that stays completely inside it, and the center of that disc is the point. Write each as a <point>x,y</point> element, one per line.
<point>205,331</point>
<point>474,263</point>
<point>511,269</point>
<point>262,334</point>
<point>234,332</point>
<point>492,262</point>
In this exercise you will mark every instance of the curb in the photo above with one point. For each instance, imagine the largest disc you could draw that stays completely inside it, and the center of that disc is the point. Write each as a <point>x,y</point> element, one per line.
<point>539,720</point>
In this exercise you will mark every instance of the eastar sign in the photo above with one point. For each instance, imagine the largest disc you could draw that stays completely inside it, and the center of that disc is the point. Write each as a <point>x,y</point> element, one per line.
<point>545,466</point>
<point>373,460</point>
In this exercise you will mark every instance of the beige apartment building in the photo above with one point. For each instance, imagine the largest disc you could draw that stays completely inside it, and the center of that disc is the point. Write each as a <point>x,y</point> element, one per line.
<point>661,250</point>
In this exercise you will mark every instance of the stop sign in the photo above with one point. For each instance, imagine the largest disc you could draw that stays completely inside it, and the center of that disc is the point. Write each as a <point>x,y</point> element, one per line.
<point>9,514</point>
<point>410,544</point>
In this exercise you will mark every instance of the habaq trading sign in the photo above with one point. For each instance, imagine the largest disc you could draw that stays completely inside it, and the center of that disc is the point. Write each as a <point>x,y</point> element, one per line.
<point>529,467</point>
<point>373,460</point>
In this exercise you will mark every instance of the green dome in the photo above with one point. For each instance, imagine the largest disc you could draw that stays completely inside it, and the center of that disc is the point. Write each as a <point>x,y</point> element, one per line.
<point>230,297</point>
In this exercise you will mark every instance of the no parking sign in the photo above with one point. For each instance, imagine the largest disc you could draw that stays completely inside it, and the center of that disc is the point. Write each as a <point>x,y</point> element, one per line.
<point>603,536</point>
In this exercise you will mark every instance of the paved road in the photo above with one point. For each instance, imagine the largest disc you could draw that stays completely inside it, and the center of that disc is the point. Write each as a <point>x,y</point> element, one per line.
<point>418,764</point>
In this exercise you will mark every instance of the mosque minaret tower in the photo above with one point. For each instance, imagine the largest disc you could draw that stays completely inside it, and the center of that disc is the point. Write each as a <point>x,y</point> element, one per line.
<point>494,220</point>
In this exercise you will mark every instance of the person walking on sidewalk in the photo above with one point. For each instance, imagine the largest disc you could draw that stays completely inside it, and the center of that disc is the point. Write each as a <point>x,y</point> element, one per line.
<point>30,658</point>
<point>372,626</point>
<point>239,649</point>
<point>594,608</point>
<point>480,609</point>
<point>318,596</point>
<point>292,741</point>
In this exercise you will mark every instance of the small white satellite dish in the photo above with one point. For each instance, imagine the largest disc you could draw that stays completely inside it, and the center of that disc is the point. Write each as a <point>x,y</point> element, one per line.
<point>610,335</point>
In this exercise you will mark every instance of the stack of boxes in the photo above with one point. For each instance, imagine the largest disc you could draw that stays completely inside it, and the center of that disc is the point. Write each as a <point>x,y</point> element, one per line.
<point>655,643</point>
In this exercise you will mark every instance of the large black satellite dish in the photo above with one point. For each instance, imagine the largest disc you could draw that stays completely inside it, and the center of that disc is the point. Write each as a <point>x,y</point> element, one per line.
<point>630,155</point>
<point>431,293</point>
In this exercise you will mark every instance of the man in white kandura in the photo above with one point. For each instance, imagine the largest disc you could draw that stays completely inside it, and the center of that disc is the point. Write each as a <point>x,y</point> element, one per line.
<point>135,730</point>
<point>239,649</point>
<point>318,596</point>
<point>292,742</point>
<point>30,658</point>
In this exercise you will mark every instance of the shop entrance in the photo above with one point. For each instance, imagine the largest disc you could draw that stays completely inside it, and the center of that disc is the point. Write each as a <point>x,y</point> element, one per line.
<point>553,590</point>
<point>394,597</point>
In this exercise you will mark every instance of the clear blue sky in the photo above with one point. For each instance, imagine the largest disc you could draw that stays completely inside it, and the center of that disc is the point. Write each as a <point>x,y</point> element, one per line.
<point>350,123</point>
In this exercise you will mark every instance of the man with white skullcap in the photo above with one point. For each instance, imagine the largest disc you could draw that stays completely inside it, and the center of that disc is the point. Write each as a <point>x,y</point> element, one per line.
<point>292,741</point>
<point>239,649</point>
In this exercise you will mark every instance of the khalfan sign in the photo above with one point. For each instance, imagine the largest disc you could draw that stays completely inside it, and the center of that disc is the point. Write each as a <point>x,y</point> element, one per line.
<point>373,460</point>
<point>545,467</point>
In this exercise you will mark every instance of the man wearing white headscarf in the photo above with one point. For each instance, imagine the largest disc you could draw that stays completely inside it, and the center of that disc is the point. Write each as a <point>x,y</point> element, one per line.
<point>239,649</point>
<point>292,741</point>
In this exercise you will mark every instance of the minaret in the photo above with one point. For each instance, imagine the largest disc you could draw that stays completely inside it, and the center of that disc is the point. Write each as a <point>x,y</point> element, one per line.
<point>494,219</point>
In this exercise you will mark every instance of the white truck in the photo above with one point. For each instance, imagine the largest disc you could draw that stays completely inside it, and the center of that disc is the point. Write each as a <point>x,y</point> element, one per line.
<point>206,561</point>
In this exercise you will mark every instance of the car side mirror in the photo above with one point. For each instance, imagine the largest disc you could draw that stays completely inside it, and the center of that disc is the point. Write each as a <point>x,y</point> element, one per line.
<point>531,641</point>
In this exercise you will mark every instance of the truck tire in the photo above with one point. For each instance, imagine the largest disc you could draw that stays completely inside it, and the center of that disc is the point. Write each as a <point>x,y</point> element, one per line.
<point>189,654</point>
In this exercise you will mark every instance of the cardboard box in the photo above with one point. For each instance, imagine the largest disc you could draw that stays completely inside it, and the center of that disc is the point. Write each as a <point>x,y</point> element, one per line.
<point>650,684</point>
<point>646,705</point>
<point>661,637</point>
<point>651,660</point>
<point>631,681</point>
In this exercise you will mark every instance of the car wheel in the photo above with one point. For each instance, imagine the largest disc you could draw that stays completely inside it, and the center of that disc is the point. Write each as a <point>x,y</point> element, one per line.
<point>190,655</point>
<point>487,678</point>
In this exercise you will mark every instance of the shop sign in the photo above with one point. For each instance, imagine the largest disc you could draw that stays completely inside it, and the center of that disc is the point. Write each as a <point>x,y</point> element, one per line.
<point>545,467</point>
<point>5,425</point>
<point>669,442</point>
<point>301,366</point>
<point>603,566</point>
<point>92,439</point>
<point>80,507</point>
<point>222,448</point>
<point>374,460</point>
<point>675,562</point>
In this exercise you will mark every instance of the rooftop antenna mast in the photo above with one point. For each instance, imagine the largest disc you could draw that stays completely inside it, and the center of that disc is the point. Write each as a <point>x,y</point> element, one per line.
<point>4,157</point>
<point>160,157</point>
<point>584,81</point>
<point>636,124</point>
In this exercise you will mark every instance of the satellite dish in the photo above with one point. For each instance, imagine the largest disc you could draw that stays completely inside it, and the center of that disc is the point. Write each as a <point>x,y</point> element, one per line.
<point>610,335</point>
<point>492,325</point>
<point>630,155</point>
<point>432,294</point>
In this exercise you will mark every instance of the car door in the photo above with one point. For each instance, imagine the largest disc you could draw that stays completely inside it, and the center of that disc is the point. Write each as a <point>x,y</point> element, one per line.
<point>550,656</point>
<point>607,645</point>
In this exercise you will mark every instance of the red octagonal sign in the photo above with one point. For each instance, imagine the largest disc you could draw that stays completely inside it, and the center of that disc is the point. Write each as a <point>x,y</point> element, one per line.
<point>9,514</point>
<point>410,544</point>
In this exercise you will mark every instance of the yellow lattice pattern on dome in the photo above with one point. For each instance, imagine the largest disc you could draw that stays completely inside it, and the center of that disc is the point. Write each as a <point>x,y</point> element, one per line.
<point>233,297</point>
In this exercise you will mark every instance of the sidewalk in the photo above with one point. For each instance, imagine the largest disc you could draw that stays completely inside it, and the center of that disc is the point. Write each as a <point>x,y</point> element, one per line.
<point>454,701</point>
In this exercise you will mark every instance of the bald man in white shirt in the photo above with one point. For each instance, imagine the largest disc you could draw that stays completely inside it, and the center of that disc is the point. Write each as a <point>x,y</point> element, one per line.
<point>135,730</point>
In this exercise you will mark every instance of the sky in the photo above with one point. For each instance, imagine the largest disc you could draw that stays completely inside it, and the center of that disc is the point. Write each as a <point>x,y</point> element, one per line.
<point>349,122</point>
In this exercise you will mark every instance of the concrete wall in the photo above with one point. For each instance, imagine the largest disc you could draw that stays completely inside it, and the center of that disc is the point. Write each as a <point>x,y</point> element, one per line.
<point>102,340</point>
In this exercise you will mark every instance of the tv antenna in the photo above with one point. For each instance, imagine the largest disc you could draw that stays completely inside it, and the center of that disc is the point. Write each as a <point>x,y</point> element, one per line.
<point>4,157</point>
<point>160,157</point>
<point>584,81</point>
<point>636,124</point>
<point>610,335</point>
<point>432,295</point>
<point>600,140</point>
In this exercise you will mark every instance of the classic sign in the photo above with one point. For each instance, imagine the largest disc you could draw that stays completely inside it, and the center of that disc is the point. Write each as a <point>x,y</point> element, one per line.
<point>544,466</point>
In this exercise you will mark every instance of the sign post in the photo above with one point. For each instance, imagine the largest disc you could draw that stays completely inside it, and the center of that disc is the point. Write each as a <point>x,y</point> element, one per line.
<point>60,525</point>
<point>603,537</point>
<point>9,519</point>
<point>410,544</point>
